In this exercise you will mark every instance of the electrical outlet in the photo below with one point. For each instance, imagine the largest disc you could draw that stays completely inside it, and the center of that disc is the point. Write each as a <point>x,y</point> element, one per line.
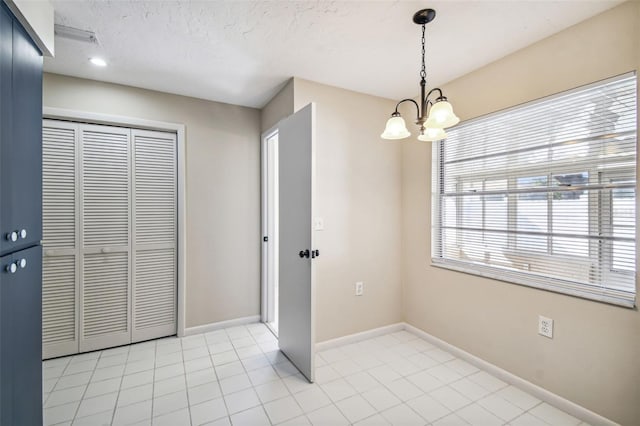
<point>359,288</point>
<point>545,327</point>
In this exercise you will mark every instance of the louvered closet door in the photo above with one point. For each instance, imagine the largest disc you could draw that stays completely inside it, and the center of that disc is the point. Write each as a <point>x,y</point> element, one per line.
<point>154,235</point>
<point>61,269</point>
<point>105,298</point>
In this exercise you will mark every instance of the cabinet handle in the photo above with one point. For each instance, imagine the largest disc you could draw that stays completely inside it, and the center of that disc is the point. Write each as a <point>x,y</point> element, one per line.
<point>23,263</point>
<point>11,268</point>
<point>23,233</point>
<point>12,236</point>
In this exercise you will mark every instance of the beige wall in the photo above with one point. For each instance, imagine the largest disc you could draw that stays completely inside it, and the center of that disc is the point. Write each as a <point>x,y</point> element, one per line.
<point>223,188</point>
<point>594,357</point>
<point>279,107</point>
<point>358,194</point>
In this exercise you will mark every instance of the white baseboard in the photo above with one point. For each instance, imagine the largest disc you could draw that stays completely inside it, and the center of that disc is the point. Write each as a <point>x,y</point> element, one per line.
<point>535,390</point>
<point>190,331</point>
<point>357,337</point>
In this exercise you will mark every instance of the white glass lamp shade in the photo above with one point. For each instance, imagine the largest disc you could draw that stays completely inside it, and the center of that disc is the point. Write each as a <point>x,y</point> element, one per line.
<point>441,115</point>
<point>396,128</point>
<point>432,134</point>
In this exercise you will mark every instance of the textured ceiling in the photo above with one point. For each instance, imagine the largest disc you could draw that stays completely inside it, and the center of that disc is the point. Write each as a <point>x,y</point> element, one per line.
<point>241,52</point>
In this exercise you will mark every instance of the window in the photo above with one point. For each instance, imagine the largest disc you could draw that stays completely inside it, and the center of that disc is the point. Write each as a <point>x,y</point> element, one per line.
<point>544,194</point>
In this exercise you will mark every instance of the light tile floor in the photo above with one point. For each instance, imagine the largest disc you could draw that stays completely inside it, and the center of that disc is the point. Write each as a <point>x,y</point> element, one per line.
<point>237,376</point>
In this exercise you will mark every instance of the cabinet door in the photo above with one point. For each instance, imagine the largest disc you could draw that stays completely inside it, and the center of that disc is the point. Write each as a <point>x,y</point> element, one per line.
<point>21,157</point>
<point>21,337</point>
<point>6,124</point>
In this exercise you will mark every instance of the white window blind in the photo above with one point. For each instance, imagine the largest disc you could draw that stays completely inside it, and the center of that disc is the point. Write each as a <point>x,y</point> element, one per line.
<point>544,194</point>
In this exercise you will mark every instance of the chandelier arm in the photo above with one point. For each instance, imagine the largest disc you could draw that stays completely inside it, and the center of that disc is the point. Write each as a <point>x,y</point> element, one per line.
<point>408,100</point>
<point>427,104</point>
<point>433,90</point>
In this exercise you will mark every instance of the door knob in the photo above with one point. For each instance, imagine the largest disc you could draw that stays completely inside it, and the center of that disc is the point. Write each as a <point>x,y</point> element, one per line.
<point>11,268</point>
<point>23,233</point>
<point>23,263</point>
<point>12,236</point>
<point>304,254</point>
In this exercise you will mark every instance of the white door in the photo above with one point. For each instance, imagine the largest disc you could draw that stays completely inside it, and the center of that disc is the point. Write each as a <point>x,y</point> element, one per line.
<point>110,227</point>
<point>105,199</point>
<point>61,239</point>
<point>296,334</point>
<point>154,292</point>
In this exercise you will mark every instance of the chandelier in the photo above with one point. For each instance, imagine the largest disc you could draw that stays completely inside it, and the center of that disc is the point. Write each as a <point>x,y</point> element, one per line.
<point>433,115</point>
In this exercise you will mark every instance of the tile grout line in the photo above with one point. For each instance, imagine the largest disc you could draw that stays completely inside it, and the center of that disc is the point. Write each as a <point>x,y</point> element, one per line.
<point>248,378</point>
<point>445,385</point>
<point>224,401</point>
<point>186,385</point>
<point>115,408</point>
<point>153,382</point>
<point>54,385</point>
<point>86,386</point>
<point>404,376</point>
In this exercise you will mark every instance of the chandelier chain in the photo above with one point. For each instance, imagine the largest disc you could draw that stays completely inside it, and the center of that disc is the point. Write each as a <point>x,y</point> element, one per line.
<point>423,71</point>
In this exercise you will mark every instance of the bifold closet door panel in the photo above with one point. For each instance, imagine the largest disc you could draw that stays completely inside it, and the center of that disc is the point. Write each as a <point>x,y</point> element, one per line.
<point>61,266</point>
<point>154,235</point>
<point>105,223</point>
<point>110,236</point>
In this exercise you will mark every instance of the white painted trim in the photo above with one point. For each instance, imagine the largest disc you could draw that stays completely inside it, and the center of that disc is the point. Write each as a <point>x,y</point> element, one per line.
<point>140,123</point>
<point>264,250</point>
<point>358,337</point>
<point>535,390</point>
<point>190,331</point>
<point>182,230</point>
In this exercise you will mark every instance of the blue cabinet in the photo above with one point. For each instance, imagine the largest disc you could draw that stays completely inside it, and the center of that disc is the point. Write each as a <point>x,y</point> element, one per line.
<point>20,137</point>
<point>20,337</point>
<point>20,225</point>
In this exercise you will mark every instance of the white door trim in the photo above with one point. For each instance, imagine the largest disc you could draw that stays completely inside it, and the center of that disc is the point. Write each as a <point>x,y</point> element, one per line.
<point>264,279</point>
<point>140,123</point>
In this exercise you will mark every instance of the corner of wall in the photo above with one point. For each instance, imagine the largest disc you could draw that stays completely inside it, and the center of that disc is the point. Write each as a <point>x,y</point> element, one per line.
<point>279,107</point>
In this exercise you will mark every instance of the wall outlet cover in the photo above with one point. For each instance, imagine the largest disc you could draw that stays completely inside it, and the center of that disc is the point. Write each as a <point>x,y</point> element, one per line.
<point>359,288</point>
<point>545,327</point>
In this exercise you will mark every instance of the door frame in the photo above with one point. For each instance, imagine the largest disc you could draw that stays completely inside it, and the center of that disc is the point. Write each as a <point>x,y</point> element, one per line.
<point>264,271</point>
<point>144,124</point>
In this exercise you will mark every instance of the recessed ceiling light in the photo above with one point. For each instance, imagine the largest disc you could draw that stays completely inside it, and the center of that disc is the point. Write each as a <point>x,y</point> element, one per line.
<point>98,62</point>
